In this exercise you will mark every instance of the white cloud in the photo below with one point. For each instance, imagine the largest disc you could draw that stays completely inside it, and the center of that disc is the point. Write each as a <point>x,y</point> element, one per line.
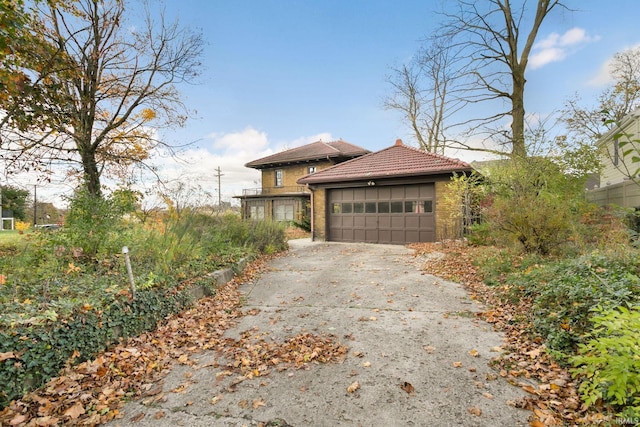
<point>230,152</point>
<point>556,47</point>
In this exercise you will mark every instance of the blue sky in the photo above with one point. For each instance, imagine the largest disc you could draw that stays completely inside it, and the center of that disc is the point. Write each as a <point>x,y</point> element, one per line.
<point>282,73</point>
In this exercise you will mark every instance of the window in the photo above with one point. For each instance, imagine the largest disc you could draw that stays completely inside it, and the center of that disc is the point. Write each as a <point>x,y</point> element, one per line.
<point>347,208</point>
<point>283,213</point>
<point>335,208</point>
<point>370,207</point>
<point>278,177</point>
<point>396,207</point>
<point>358,207</point>
<point>383,207</point>
<point>423,206</point>
<point>311,169</point>
<point>256,212</point>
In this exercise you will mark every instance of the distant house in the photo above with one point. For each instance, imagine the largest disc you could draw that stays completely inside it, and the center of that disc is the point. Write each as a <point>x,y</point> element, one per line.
<point>391,196</point>
<point>615,186</point>
<point>280,197</point>
<point>6,219</point>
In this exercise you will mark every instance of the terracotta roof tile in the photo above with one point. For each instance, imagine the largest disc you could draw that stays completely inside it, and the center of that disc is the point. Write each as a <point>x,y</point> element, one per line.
<point>314,151</point>
<point>395,161</point>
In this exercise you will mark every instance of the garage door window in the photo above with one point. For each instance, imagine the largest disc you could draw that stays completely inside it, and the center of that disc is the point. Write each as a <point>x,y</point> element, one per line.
<point>370,207</point>
<point>424,206</point>
<point>358,207</point>
<point>383,207</point>
<point>396,207</point>
<point>335,208</point>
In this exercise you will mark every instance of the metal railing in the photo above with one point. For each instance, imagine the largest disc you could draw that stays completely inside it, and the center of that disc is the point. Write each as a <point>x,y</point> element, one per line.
<point>293,189</point>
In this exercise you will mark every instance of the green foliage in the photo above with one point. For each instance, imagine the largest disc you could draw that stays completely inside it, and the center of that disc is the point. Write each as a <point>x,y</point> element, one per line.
<point>94,223</point>
<point>566,292</point>
<point>608,364</point>
<point>68,291</point>
<point>41,351</point>
<point>533,203</point>
<point>15,199</point>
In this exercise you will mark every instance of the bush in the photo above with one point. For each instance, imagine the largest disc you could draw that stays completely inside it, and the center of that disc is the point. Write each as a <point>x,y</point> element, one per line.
<point>609,362</point>
<point>533,204</point>
<point>567,291</point>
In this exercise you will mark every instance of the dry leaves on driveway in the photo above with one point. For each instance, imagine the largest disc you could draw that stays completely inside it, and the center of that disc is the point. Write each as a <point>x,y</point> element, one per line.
<point>92,392</point>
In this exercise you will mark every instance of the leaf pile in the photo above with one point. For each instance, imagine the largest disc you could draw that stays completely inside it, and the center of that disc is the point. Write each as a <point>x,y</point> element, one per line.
<point>92,392</point>
<point>553,396</point>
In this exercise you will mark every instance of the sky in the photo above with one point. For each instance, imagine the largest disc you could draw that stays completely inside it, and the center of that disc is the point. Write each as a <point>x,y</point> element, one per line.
<point>278,74</point>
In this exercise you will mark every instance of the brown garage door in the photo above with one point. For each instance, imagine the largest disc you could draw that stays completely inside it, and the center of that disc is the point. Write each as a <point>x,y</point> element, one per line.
<point>395,214</point>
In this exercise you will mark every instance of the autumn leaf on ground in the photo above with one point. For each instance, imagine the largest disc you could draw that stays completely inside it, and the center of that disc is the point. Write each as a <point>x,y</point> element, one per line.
<point>457,364</point>
<point>474,410</point>
<point>7,355</point>
<point>353,387</point>
<point>474,353</point>
<point>408,387</point>
<point>258,403</point>
<point>429,349</point>
<point>75,411</point>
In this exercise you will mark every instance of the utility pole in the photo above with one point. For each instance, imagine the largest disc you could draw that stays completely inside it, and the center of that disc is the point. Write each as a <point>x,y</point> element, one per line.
<point>219,175</point>
<point>35,205</point>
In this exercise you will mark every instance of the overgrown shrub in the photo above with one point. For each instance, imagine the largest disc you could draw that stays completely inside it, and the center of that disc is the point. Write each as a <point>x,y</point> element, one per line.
<point>608,363</point>
<point>533,203</point>
<point>566,292</point>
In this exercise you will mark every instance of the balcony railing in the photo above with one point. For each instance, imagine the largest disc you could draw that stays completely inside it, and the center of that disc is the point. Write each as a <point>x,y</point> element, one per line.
<point>294,189</point>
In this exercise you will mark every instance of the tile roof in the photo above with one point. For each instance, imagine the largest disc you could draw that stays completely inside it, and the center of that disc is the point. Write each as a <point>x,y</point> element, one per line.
<point>395,161</point>
<point>314,151</point>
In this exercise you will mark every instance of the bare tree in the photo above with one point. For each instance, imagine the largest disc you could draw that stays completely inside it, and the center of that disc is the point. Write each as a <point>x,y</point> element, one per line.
<point>491,58</point>
<point>101,91</point>
<point>425,91</point>
<point>621,97</point>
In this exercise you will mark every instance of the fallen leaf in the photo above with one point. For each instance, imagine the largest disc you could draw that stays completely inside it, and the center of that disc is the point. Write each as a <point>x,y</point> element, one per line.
<point>474,410</point>
<point>215,399</point>
<point>75,411</point>
<point>244,404</point>
<point>474,353</point>
<point>487,395</point>
<point>457,364</point>
<point>429,349</point>
<point>353,387</point>
<point>408,387</point>
<point>137,417</point>
<point>258,403</point>
<point>366,364</point>
<point>18,419</point>
<point>159,414</point>
<point>7,355</point>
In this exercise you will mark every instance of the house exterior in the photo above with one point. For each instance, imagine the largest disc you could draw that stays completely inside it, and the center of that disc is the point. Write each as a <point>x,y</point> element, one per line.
<point>617,148</point>
<point>392,196</point>
<point>281,198</point>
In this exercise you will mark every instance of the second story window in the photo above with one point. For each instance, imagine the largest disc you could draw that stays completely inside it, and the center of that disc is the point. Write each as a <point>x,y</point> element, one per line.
<point>311,169</point>
<point>278,178</point>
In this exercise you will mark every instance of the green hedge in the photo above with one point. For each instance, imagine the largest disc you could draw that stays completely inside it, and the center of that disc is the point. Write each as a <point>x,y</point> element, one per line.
<point>43,350</point>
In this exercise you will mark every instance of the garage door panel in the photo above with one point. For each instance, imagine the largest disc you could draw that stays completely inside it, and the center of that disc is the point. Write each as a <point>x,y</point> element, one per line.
<point>381,214</point>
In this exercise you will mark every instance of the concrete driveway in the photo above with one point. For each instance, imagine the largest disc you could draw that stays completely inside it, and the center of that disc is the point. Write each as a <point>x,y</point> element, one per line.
<point>401,326</point>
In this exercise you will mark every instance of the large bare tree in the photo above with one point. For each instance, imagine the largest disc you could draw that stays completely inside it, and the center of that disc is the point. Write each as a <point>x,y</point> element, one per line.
<point>98,90</point>
<point>491,42</point>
